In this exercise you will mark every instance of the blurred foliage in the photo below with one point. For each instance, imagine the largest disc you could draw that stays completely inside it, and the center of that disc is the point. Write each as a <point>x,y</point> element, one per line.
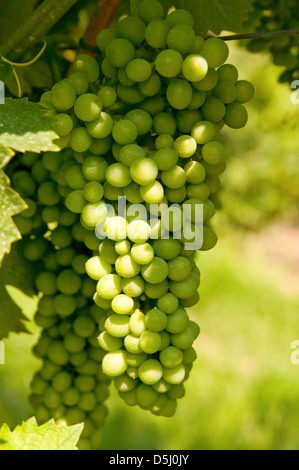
<point>261,183</point>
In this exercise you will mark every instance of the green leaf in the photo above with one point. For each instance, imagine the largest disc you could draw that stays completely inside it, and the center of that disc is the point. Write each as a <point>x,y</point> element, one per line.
<point>24,126</point>
<point>10,204</point>
<point>37,75</point>
<point>49,436</point>
<point>5,155</point>
<point>19,273</point>
<point>5,70</point>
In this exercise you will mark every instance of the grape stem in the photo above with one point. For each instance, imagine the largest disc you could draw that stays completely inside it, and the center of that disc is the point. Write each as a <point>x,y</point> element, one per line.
<point>260,35</point>
<point>35,27</point>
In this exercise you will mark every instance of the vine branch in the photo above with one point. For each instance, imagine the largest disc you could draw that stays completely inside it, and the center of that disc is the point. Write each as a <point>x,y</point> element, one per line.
<point>101,19</point>
<point>35,27</point>
<point>260,35</point>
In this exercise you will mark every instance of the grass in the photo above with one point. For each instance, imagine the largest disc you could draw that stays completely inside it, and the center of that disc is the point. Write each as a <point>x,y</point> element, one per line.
<point>243,391</point>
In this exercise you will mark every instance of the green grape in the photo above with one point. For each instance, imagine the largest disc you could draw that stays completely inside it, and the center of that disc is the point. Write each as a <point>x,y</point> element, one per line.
<point>74,177</point>
<point>142,253</point>
<point>100,146</point>
<point>104,37</point>
<point>167,249</point>
<point>45,282</point>
<point>57,353</point>
<point>179,268</point>
<point>79,82</point>
<point>138,70</point>
<point>198,191</point>
<point>108,342</point>
<point>137,323</point>
<point>122,247</point>
<point>35,250</point>
<point>63,96</point>
<point>183,289</point>
<point>209,82</point>
<point>228,72</point>
<point>107,96</point>
<point>150,371</point>
<point>203,132</point>
<point>153,105</point>
<point>100,127</point>
<point>126,267</point>
<point>215,51</point>
<point>87,65</point>
<point>171,357</point>
<point>166,158</point>
<point>163,141</point>
<point>187,119</point>
<point>174,178</point>
<point>168,303</point>
<point>94,168</point>
<point>175,375</point>
<point>156,271</point>
<point>181,38</point>
<point>214,153</point>
<point>68,282</point>
<point>47,193</point>
<point>125,132</point>
<point>109,286</point>
<point>245,91</point>
<point>96,268</point>
<point>131,344</point>
<point>108,70</point>
<point>152,193</point>
<point>129,153</point>
<point>180,16</point>
<point>65,304</point>
<point>144,171</point>
<point>93,191</point>
<point>61,382</point>
<point>186,146</point>
<point>169,63</point>
<point>213,110</point>
<point>179,94</point>
<point>156,33</point>
<point>75,201</point>
<point>88,107</point>
<point>146,396</point>
<point>62,126</point>
<point>115,228</point>
<point>119,52</point>
<point>183,340</point>
<point>130,95</point>
<point>132,28</point>
<point>150,342</point>
<point>177,321</point>
<point>122,304</point>
<point>195,172</point>
<point>226,91</point>
<point>80,139</point>
<point>164,123</point>
<point>155,320</point>
<point>114,363</point>
<point>142,120</point>
<point>236,116</point>
<point>149,10</point>
<point>138,231</point>
<point>155,291</point>
<point>118,175</point>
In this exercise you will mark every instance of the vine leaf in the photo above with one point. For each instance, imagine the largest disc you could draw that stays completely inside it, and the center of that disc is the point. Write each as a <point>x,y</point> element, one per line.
<point>5,70</point>
<point>10,204</point>
<point>18,273</point>
<point>25,126</point>
<point>49,436</point>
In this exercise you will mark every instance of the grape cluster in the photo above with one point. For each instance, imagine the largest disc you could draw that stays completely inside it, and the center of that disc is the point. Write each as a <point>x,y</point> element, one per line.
<point>140,122</point>
<point>275,16</point>
<point>70,384</point>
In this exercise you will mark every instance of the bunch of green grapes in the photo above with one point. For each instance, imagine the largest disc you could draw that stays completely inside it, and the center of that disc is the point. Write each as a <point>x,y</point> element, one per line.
<point>275,16</point>
<point>141,123</point>
<point>70,384</point>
